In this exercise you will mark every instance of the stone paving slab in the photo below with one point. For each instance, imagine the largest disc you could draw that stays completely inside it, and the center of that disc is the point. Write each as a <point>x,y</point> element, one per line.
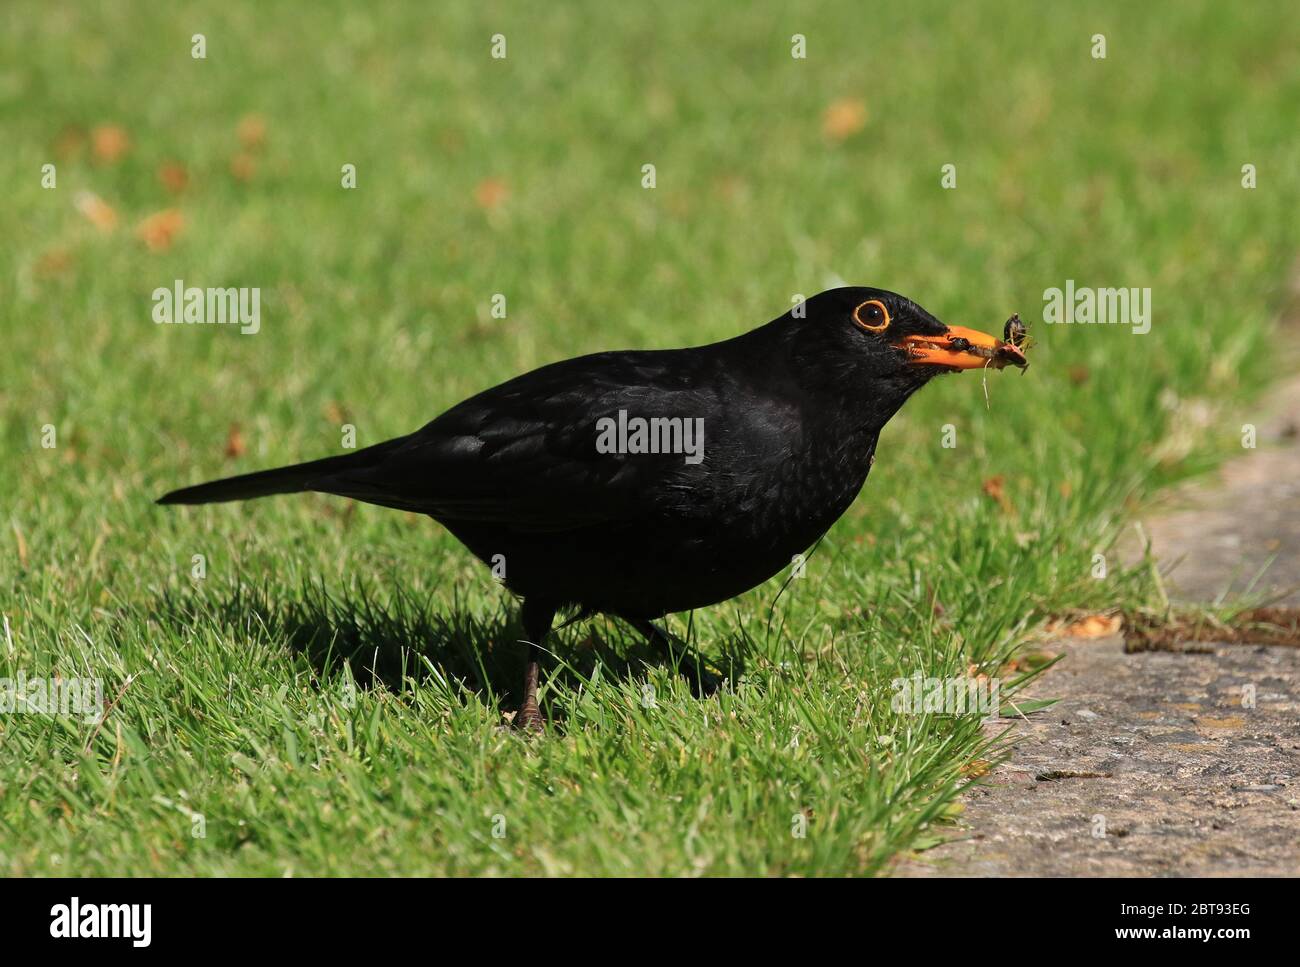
<point>1216,536</point>
<point>1150,765</point>
<point>1156,763</point>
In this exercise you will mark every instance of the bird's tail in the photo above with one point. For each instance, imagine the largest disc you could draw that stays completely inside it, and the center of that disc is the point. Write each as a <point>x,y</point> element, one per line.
<point>281,480</point>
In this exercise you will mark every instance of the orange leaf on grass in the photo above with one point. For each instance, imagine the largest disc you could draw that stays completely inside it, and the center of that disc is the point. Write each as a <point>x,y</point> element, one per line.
<point>252,130</point>
<point>335,412</point>
<point>1092,626</point>
<point>490,193</point>
<point>235,442</point>
<point>995,487</point>
<point>160,229</point>
<point>97,211</point>
<point>109,142</point>
<point>844,118</point>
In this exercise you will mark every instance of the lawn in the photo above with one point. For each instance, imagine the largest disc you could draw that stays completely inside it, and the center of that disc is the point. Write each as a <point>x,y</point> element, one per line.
<point>324,690</point>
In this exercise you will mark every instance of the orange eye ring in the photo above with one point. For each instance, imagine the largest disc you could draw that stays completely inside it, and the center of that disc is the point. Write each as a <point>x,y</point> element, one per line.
<point>872,316</point>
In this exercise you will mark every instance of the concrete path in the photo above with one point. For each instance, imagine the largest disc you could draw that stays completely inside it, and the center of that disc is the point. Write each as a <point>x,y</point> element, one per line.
<point>1162,763</point>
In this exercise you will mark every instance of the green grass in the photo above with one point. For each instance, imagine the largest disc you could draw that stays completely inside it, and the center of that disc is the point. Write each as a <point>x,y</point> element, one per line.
<point>329,697</point>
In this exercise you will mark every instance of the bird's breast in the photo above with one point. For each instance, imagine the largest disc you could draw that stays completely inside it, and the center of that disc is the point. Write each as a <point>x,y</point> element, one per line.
<point>747,519</point>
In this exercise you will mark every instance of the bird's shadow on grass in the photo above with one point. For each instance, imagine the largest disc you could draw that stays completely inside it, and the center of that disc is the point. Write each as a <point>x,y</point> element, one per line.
<point>401,639</point>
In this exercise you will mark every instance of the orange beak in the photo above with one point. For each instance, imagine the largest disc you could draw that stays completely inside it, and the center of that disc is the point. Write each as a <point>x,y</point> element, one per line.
<point>961,348</point>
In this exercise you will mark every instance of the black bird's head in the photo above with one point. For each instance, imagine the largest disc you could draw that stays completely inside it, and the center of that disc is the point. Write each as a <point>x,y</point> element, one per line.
<point>882,345</point>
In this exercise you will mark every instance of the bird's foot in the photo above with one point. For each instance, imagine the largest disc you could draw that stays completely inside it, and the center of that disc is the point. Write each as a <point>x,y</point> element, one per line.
<point>529,717</point>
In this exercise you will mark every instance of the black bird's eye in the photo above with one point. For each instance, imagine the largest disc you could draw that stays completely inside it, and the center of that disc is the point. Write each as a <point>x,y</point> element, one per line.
<point>872,316</point>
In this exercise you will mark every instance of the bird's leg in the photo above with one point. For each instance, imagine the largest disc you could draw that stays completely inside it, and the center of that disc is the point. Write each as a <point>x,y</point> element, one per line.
<point>536,617</point>
<point>530,716</point>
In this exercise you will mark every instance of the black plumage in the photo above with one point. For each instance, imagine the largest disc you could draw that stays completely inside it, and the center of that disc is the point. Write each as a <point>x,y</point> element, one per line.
<point>790,414</point>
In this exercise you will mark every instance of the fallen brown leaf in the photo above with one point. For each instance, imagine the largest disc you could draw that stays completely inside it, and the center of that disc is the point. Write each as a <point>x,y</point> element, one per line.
<point>252,130</point>
<point>235,442</point>
<point>1092,626</point>
<point>490,193</point>
<point>844,118</point>
<point>109,142</point>
<point>97,211</point>
<point>995,487</point>
<point>160,229</point>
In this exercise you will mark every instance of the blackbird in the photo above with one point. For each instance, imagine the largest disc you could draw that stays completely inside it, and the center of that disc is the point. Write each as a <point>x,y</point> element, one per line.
<point>641,483</point>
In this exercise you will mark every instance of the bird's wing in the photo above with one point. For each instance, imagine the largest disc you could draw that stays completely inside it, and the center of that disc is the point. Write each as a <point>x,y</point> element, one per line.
<point>524,454</point>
